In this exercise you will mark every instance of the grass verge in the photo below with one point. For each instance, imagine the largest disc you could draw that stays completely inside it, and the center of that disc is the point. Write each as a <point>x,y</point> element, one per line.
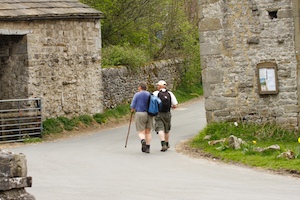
<point>61,124</point>
<point>255,137</point>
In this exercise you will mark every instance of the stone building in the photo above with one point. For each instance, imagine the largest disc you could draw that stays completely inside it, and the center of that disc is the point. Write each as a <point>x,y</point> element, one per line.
<point>250,60</point>
<point>51,49</point>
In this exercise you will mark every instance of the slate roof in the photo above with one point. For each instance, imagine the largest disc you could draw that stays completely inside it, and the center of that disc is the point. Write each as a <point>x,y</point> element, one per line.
<point>45,9</point>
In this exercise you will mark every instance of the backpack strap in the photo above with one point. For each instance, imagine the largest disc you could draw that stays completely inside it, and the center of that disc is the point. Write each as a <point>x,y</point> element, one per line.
<point>148,103</point>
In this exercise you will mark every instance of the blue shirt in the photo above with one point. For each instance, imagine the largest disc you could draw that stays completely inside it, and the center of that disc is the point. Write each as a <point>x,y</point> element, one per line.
<point>140,101</point>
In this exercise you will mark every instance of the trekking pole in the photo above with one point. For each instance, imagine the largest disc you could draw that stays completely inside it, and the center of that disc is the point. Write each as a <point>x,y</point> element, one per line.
<point>128,129</point>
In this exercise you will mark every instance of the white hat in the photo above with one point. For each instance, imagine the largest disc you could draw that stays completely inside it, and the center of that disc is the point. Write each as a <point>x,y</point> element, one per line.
<point>161,83</point>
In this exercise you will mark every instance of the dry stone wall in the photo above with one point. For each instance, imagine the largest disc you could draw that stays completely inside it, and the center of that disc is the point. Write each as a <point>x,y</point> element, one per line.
<point>120,84</point>
<point>13,177</point>
<point>236,36</point>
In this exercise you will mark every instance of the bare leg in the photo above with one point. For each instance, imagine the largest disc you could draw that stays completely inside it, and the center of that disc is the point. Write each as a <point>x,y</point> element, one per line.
<point>148,136</point>
<point>148,140</point>
<point>161,135</point>
<point>167,136</point>
<point>162,140</point>
<point>142,135</point>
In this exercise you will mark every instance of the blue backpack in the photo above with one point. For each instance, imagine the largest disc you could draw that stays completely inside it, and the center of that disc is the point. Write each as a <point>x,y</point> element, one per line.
<point>154,105</point>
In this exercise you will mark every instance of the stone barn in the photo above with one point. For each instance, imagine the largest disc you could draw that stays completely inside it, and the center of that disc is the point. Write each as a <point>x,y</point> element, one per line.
<point>50,49</point>
<point>250,60</point>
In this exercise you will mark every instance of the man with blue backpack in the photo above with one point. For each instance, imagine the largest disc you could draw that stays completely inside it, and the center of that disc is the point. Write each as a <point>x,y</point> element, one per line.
<point>143,121</point>
<point>163,118</point>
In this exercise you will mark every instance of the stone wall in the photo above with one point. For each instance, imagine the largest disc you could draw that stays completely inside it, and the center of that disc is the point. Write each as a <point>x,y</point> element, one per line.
<point>120,84</point>
<point>13,176</point>
<point>58,60</point>
<point>235,37</point>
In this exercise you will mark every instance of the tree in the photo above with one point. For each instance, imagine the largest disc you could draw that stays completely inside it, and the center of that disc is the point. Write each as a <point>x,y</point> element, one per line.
<point>157,26</point>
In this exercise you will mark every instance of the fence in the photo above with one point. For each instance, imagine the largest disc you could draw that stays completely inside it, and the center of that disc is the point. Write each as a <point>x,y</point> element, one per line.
<point>20,119</point>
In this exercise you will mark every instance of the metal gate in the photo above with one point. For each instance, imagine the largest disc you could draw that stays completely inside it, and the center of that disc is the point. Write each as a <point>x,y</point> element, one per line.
<point>20,119</point>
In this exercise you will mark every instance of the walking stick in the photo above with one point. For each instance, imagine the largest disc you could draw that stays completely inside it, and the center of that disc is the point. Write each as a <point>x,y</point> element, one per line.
<point>128,129</point>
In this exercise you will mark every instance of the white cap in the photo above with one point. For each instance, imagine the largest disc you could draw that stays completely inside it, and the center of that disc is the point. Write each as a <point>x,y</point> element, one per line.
<point>161,83</point>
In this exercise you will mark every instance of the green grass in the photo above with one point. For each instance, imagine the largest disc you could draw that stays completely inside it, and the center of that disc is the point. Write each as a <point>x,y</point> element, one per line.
<point>255,136</point>
<point>32,140</point>
<point>68,124</point>
<point>52,126</point>
<point>60,124</point>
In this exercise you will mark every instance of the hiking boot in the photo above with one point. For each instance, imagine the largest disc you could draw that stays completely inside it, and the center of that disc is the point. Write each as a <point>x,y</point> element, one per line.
<point>167,144</point>
<point>164,148</point>
<point>147,149</point>
<point>144,146</point>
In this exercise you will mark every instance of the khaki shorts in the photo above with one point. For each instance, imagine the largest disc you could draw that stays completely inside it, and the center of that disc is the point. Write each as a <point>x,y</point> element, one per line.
<point>163,122</point>
<point>143,121</point>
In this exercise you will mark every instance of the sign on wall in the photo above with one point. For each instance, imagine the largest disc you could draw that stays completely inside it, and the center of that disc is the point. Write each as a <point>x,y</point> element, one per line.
<point>267,78</point>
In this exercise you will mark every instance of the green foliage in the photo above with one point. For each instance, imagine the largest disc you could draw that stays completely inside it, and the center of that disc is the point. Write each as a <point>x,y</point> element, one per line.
<point>86,119</point>
<point>192,68</point>
<point>160,27</point>
<point>255,136</point>
<point>100,118</point>
<point>249,131</point>
<point>248,149</point>
<point>223,146</point>
<point>52,125</point>
<point>125,21</point>
<point>59,124</point>
<point>136,31</point>
<point>119,111</point>
<point>32,140</point>
<point>68,124</point>
<point>184,94</point>
<point>114,113</point>
<point>123,55</point>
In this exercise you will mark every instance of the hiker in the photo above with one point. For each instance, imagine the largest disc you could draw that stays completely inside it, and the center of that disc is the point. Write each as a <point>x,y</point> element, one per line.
<point>143,121</point>
<point>163,118</point>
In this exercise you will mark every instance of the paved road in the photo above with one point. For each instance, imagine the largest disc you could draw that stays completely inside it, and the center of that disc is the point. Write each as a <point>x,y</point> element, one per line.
<point>98,167</point>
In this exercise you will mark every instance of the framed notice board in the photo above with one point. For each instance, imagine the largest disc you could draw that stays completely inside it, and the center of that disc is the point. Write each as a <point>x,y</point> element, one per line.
<point>267,78</point>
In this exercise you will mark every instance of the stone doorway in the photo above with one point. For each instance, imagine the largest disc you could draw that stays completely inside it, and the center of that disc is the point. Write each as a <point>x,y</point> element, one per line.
<point>13,67</point>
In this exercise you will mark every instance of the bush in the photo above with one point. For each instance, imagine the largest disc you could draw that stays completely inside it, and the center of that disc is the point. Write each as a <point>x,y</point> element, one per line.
<point>68,124</point>
<point>99,118</point>
<point>52,125</point>
<point>123,55</point>
<point>86,119</point>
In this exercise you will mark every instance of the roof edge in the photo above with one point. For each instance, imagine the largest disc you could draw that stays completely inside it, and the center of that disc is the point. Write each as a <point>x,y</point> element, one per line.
<point>50,17</point>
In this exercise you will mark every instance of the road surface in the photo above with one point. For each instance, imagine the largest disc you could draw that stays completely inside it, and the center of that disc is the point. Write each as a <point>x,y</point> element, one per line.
<point>98,167</point>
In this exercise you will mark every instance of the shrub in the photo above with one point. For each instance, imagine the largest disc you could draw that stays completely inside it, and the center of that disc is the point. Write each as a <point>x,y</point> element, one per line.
<point>86,119</point>
<point>123,55</point>
<point>99,118</point>
<point>52,125</point>
<point>68,124</point>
